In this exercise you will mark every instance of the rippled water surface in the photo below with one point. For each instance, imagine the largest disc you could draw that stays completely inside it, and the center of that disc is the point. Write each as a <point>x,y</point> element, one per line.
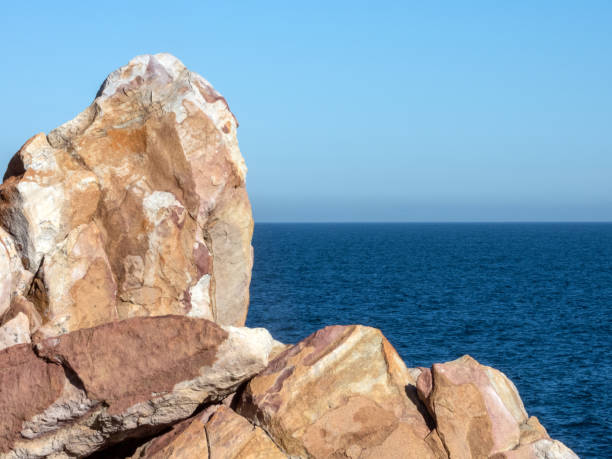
<point>533,300</point>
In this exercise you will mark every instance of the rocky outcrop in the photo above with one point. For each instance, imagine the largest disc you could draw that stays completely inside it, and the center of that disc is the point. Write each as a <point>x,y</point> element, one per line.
<point>137,207</point>
<point>342,392</point>
<point>85,390</point>
<point>125,262</point>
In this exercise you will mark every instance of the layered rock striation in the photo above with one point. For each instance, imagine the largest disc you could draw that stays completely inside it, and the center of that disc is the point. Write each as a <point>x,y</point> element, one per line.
<point>125,262</point>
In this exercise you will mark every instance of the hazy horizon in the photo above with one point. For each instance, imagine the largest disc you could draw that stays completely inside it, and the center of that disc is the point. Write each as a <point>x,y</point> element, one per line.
<point>455,112</point>
<point>401,222</point>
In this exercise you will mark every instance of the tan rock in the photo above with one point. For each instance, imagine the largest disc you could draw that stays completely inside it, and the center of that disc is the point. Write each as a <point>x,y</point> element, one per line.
<point>15,331</point>
<point>90,388</point>
<point>532,431</point>
<point>343,391</point>
<point>80,289</point>
<point>232,436</point>
<point>216,433</point>
<point>137,207</point>
<point>187,439</point>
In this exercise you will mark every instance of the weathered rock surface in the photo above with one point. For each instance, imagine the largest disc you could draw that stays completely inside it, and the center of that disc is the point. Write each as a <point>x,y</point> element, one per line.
<point>342,392</point>
<point>136,207</point>
<point>82,391</point>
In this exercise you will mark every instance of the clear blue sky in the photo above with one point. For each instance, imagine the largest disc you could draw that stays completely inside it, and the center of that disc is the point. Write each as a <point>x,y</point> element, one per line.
<point>367,111</point>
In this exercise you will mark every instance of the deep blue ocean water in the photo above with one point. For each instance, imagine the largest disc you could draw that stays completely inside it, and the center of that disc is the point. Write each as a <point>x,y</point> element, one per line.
<point>532,300</point>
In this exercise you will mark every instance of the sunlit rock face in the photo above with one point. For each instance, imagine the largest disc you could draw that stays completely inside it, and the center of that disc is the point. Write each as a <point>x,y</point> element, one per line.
<point>136,207</point>
<point>342,392</point>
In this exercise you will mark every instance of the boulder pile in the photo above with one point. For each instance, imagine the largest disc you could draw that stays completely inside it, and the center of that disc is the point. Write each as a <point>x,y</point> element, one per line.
<point>125,263</point>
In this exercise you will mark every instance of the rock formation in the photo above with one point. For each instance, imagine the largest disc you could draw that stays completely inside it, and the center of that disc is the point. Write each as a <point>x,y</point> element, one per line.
<point>136,207</point>
<point>125,262</point>
<point>341,392</point>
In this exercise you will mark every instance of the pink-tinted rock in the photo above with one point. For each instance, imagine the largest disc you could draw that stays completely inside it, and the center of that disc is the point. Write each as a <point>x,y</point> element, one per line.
<point>29,385</point>
<point>478,412</point>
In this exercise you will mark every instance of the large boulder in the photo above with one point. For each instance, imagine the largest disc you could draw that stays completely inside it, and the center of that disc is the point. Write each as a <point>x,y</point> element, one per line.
<point>342,392</point>
<point>85,390</point>
<point>136,207</point>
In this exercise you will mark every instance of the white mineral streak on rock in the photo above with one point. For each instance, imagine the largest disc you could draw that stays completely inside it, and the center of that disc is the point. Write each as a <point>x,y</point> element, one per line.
<point>200,299</point>
<point>507,394</point>
<point>12,274</point>
<point>15,331</point>
<point>545,448</point>
<point>552,449</point>
<point>71,405</point>
<point>6,279</point>
<point>42,209</point>
<point>241,354</point>
<point>156,205</point>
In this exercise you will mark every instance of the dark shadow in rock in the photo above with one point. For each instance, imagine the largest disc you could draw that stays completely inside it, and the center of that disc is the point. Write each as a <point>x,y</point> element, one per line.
<point>411,393</point>
<point>15,167</point>
<point>127,447</point>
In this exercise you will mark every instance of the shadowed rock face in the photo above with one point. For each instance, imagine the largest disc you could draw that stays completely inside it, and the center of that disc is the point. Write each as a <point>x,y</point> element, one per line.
<point>136,207</point>
<point>84,390</point>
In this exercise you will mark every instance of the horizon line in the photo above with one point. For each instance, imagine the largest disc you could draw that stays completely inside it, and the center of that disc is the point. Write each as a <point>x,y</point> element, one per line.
<point>434,221</point>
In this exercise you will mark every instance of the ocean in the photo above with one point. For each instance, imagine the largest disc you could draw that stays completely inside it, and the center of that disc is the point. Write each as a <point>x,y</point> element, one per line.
<point>533,300</point>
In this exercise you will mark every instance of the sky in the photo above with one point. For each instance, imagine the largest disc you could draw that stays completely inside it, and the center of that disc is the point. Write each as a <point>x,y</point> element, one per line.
<point>357,111</point>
